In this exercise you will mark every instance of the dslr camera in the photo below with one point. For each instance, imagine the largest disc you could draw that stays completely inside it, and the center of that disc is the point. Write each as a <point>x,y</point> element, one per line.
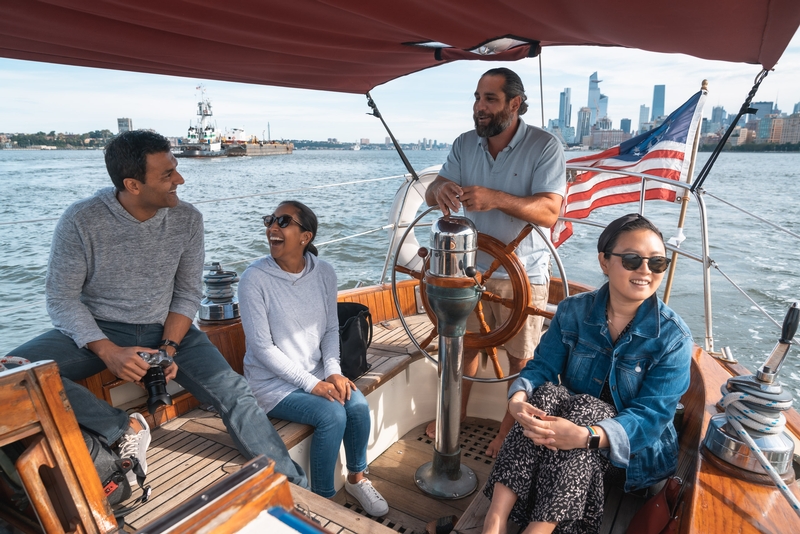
<point>154,381</point>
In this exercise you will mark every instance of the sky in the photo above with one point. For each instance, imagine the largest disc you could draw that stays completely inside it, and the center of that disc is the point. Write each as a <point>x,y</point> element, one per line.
<point>434,104</point>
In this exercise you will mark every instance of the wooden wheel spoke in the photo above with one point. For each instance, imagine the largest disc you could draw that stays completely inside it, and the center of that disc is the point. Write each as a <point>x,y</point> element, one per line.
<point>507,302</point>
<point>533,310</point>
<point>484,326</point>
<point>429,338</point>
<point>512,245</point>
<point>492,353</point>
<point>410,272</point>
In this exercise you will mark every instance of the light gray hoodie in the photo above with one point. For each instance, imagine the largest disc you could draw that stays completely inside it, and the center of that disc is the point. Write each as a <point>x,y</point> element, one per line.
<point>291,328</point>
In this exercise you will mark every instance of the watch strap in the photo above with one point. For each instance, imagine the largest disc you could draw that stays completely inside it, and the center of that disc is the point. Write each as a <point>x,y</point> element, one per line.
<point>169,343</point>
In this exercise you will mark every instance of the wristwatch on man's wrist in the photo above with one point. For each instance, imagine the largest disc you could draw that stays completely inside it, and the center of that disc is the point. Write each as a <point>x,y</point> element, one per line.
<point>594,438</point>
<point>169,343</point>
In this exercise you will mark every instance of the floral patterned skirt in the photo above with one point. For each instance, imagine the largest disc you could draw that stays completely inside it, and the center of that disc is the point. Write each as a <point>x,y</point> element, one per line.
<point>562,486</point>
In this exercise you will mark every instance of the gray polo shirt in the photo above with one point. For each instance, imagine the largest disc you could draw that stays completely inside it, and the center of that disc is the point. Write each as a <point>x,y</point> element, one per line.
<point>533,162</point>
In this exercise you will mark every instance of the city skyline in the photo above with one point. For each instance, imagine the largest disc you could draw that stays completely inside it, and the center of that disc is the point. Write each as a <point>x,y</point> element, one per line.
<point>434,103</point>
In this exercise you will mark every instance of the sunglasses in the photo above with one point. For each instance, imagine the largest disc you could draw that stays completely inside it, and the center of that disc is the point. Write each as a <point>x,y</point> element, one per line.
<point>631,262</point>
<point>283,221</point>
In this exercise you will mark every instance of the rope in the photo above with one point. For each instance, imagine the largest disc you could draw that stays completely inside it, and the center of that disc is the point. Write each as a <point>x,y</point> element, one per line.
<point>16,360</point>
<point>739,415</point>
<point>736,408</point>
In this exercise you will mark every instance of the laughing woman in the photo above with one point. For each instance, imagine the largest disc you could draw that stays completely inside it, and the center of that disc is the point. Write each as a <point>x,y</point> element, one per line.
<point>288,307</point>
<point>622,357</point>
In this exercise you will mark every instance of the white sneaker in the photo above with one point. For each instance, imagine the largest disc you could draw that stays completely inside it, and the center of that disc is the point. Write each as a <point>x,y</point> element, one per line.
<point>371,501</point>
<point>134,445</point>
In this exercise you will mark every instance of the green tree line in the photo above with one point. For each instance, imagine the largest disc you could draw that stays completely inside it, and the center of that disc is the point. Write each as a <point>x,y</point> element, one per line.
<point>96,139</point>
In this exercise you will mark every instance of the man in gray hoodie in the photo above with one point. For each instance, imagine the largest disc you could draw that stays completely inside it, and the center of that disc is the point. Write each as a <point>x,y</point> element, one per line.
<point>125,276</point>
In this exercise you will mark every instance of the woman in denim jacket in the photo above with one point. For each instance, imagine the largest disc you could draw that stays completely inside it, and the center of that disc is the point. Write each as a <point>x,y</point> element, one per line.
<point>596,404</point>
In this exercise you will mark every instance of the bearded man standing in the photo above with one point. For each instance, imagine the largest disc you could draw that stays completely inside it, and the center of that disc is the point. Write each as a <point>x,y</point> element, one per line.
<point>506,174</point>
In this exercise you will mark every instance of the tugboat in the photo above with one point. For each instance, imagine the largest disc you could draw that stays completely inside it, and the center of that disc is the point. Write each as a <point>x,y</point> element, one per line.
<point>203,140</point>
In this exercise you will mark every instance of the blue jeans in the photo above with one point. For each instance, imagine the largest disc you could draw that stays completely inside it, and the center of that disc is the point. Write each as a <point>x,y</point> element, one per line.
<point>333,424</point>
<point>202,371</point>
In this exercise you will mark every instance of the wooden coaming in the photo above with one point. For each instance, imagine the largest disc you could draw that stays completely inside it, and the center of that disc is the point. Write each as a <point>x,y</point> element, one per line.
<point>712,502</point>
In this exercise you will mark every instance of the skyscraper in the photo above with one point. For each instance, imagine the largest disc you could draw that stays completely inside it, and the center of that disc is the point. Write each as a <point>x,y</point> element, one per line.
<point>644,112</point>
<point>658,101</point>
<point>565,108</point>
<point>764,109</point>
<point>594,99</point>
<point>625,125</point>
<point>602,108</point>
<point>584,126</point>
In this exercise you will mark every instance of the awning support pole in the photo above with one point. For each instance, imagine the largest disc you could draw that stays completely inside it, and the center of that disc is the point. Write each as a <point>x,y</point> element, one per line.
<point>375,112</point>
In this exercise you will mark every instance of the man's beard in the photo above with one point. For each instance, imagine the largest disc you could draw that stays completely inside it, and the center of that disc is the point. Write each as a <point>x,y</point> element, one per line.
<point>497,124</point>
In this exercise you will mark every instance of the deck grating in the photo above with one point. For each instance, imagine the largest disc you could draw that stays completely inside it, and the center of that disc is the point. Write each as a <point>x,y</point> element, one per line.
<point>410,510</point>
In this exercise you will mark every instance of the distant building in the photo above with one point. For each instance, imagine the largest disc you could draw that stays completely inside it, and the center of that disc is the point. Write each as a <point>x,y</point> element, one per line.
<point>769,129</point>
<point>364,141</point>
<point>603,123</point>
<point>644,113</point>
<point>602,110</point>
<point>764,109</point>
<point>564,108</point>
<point>594,99</point>
<point>603,139</point>
<point>718,114</point>
<point>791,128</point>
<point>584,122</point>
<point>569,134</point>
<point>796,108</point>
<point>658,102</point>
<point>124,125</point>
<point>625,125</point>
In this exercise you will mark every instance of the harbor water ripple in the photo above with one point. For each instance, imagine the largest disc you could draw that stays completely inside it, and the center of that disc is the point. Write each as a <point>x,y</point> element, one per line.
<point>234,193</point>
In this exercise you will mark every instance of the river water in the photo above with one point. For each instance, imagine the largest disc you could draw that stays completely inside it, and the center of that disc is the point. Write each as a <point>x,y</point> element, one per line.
<point>233,194</point>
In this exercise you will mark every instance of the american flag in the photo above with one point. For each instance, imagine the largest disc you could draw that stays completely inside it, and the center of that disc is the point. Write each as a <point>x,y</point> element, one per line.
<point>664,151</point>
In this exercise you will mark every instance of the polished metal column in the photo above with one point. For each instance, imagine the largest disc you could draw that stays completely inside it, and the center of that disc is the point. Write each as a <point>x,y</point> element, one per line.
<point>452,295</point>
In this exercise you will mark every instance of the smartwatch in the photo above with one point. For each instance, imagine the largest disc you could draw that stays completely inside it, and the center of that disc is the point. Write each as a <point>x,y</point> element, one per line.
<point>594,439</point>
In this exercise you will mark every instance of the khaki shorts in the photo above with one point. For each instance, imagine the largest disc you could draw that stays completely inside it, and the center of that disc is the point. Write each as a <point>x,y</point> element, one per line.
<point>523,344</point>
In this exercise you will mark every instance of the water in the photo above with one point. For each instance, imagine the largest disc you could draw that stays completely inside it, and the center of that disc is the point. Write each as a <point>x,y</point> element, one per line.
<point>36,185</point>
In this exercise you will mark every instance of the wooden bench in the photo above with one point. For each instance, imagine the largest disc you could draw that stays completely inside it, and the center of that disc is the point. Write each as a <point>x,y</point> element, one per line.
<point>390,353</point>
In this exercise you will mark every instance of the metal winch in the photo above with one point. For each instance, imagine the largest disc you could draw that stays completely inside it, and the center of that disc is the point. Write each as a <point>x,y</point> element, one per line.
<point>219,302</point>
<point>453,292</point>
<point>749,435</point>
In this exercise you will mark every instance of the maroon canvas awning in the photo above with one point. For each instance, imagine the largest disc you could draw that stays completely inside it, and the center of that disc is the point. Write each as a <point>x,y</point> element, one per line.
<point>354,45</point>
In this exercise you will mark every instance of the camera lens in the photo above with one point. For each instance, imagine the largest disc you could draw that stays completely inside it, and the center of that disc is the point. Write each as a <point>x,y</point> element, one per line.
<point>156,386</point>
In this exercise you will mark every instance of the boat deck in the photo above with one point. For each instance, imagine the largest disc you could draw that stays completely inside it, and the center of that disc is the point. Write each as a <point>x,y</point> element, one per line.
<point>194,451</point>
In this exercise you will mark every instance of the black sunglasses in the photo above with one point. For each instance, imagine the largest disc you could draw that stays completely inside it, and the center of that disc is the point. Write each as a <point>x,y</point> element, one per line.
<point>283,221</point>
<point>631,262</point>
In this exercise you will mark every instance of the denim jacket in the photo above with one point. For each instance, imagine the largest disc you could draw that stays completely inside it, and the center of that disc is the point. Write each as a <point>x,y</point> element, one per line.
<point>648,371</point>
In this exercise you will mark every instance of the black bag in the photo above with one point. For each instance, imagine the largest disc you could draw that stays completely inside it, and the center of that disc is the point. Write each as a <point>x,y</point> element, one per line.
<point>112,469</point>
<point>355,336</point>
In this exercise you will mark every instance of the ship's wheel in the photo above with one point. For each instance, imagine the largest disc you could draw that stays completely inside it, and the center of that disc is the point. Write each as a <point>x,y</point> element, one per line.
<point>487,339</point>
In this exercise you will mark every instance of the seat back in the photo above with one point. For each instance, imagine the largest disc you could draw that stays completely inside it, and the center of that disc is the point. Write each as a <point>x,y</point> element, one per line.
<point>56,471</point>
